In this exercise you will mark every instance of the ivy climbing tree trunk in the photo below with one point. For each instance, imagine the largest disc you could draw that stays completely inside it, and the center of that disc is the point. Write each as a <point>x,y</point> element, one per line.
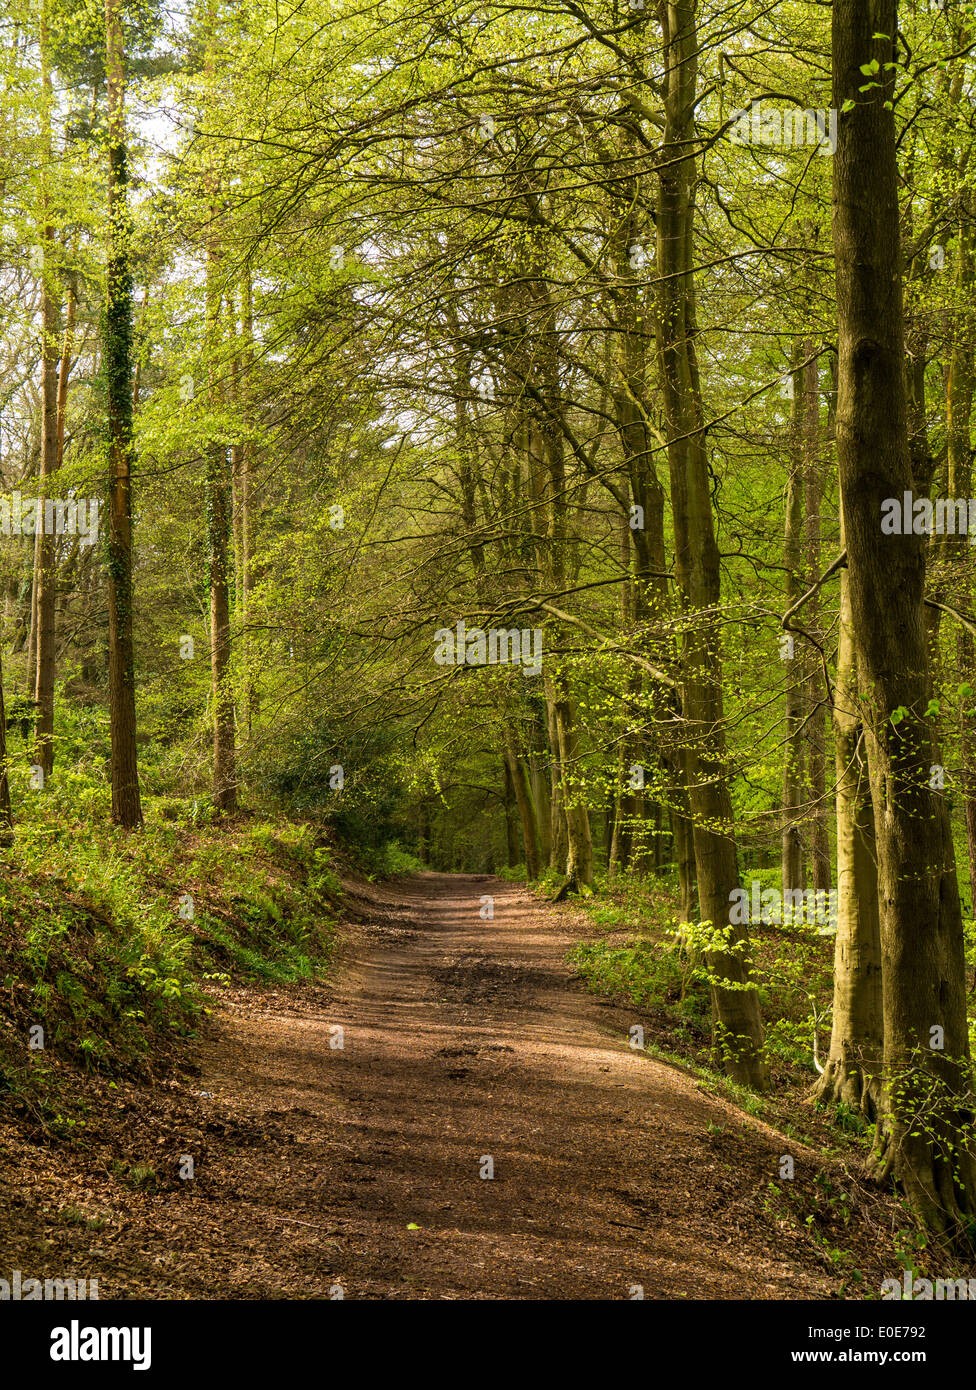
<point>45,542</point>
<point>6,813</point>
<point>224,755</point>
<point>126,803</point>
<point>222,696</point>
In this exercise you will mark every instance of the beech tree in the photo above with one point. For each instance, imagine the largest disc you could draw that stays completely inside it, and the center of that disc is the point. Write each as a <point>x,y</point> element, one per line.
<point>926,1095</point>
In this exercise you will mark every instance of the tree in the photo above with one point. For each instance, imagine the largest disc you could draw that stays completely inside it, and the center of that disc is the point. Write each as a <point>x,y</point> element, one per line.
<point>926,1096</point>
<point>45,558</point>
<point>739,1035</point>
<point>117,350</point>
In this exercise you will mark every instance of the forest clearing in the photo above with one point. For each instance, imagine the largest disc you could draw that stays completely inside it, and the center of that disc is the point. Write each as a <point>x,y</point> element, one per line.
<point>487,691</point>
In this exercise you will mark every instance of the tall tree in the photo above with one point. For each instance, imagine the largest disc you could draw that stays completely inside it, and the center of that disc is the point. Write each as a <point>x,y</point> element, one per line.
<point>738,1027</point>
<point>117,353</point>
<point>45,541</point>
<point>792,855</point>
<point>852,1073</point>
<point>224,754</point>
<point>926,1094</point>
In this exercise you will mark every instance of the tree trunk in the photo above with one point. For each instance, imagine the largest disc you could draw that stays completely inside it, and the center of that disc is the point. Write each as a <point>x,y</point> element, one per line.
<point>224,755</point>
<point>424,833</point>
<point>925,1100</point>
<point>224,774</point>
<point>548,484</point>
<point>539,783</point>
<point>45,545</point>
<point>64,370</point>
<point>816,737</point>
<point>6,814</point>
<point>793,861</point>
<point>512,857</point>
<point>126,804</point>
<point>625,801</point>
<point>960,389</point>
<point>852,1073</point>
<point>579,845</point>
<point>244,501</point>
<point>558,837</point>
<point>523,800</point>
<point>684,850</point>
<point>738,1037</point>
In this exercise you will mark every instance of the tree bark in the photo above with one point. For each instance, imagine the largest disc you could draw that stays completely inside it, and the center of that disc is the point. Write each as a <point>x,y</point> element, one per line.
<point>45,545</point>
<point>793,859</point>
<point>126,803</point>
<point>224,771</point>
<point>738,1036</point>
<point>523,800</point>
<point>816,737</point>
<point>852,1073</point>
<point>224,754</point>
<point>960,389</point>
<point>925,1099</point>
<point>6,813</point>
<point>511,815</point>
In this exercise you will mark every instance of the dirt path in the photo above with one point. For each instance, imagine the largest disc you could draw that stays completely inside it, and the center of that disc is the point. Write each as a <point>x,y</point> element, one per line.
<point>321,1170</point>
<point>466,1038</point>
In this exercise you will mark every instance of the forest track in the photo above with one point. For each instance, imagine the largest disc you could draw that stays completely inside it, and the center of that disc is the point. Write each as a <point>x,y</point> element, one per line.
<point>322,1171</point>
<point>465,1038</point>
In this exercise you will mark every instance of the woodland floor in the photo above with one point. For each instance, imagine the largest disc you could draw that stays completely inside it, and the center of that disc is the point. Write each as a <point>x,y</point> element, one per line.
<point>462,1038</point>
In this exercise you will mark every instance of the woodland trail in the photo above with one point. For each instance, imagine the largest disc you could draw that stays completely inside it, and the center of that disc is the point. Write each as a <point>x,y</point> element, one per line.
<point>465,1038</point>
<point>461,1038</point>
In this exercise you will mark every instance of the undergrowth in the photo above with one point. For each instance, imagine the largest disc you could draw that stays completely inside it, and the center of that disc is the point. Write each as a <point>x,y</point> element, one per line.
<point>110,942</point>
